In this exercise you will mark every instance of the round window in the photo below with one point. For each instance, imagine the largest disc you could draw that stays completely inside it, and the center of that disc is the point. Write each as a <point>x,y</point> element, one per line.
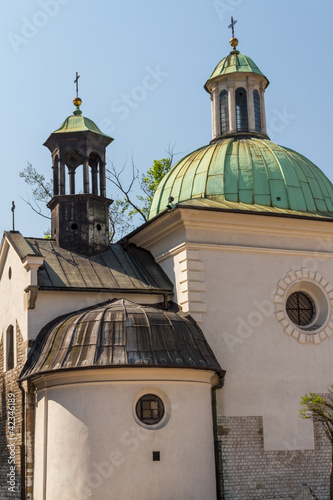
<point>150,409</point>
<point>300,309</point>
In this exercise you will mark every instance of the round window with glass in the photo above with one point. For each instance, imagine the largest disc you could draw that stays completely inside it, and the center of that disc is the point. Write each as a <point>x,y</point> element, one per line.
<point>150,409</point>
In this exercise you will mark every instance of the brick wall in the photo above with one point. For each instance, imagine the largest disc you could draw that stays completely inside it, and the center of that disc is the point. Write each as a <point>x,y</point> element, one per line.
<point>10,445</point>
<point>251,473</point>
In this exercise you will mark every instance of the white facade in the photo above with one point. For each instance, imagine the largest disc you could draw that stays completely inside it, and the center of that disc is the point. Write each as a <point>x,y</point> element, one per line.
<point>233,273</point>
<point>91,445</point>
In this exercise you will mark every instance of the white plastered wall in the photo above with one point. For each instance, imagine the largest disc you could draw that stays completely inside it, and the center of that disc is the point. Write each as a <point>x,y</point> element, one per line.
<point>51,304</point>
<point>90,445</point>
<point>14,278</point>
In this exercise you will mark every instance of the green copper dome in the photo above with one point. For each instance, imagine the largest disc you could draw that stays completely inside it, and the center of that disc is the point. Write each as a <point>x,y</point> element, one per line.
<point>247,174</point>
<point>235,62</point>
<point>78,123</point>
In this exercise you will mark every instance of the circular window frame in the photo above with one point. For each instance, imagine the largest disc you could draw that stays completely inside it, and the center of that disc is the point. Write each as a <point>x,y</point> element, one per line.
<point>166,403</point>
<point>320,292</point>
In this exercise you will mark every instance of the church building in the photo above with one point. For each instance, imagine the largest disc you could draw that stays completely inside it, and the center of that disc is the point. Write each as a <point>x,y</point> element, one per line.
<point>170,365</point>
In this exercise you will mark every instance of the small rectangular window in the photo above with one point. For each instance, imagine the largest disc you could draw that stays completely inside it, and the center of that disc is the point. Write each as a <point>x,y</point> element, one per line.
<point>10,347</point>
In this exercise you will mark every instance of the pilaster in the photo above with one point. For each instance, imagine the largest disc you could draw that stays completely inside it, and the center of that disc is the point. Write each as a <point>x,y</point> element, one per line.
<point>192,284</point>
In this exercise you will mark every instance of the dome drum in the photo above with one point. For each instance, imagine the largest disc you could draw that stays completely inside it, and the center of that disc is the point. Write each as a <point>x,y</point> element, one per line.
<point>242,99</point>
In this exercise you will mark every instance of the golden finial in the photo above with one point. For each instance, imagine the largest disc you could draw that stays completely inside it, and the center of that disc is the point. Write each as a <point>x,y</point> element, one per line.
<point>233,42</point>
<point>77,101</point>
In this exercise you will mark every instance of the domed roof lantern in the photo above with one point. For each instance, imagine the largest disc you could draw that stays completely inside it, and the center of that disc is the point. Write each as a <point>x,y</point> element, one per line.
<point>79,222</point>
<point>237,88</point>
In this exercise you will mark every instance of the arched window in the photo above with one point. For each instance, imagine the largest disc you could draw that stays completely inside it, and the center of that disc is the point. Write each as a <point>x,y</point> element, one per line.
<point>10,347</point>
<point>224,112</point>
<point>257,113</point>
<point>241,110</point>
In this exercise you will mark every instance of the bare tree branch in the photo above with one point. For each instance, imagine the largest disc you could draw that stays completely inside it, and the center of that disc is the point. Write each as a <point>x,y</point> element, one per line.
<point>37,211</point>
<point>115,178</point>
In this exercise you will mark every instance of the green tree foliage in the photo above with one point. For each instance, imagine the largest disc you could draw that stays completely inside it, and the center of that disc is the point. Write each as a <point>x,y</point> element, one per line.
<point>320,409</point>
<point>151,180</point>
<point>42,189</point>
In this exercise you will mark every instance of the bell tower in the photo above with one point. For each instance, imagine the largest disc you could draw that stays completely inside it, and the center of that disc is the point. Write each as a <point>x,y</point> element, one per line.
<point>79,219</point>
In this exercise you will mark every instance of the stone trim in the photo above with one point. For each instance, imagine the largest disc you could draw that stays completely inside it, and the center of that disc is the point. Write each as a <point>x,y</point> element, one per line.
<point>304,336</point>
<point>192,284</point>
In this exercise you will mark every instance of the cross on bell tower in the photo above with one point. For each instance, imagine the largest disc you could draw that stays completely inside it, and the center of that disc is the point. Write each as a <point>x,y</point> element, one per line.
<point>79,221</point>
<point>76,81</point>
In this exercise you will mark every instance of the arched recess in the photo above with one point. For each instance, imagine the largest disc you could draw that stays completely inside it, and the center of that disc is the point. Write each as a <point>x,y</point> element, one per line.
<point>241,110</point>
<point>224,112</point>
<point>10,348</point>
<point>257,111</point>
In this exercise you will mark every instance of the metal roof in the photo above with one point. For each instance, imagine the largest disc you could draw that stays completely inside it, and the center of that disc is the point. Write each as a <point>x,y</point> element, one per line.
<point>120,333</point>
<point>121,268</point>
<point>235,62</point>
<point>243,172</point>
<point>246,207</point>
<point>77,123</point>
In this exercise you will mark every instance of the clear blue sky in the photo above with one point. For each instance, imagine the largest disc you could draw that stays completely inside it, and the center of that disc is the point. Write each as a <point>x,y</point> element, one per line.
<point>116,45</point>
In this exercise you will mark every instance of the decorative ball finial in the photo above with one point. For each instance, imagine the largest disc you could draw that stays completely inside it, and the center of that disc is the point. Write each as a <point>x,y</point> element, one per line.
<point>233,42</point>
<point>77,102</point>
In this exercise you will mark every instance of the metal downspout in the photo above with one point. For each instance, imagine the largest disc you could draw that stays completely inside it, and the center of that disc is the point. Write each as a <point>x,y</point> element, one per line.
<point>218,466</point>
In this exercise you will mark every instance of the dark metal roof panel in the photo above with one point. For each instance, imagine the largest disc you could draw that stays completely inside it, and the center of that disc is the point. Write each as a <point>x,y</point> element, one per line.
<point>120,333</point>
<point>119,268</point>
<point>21,245</point>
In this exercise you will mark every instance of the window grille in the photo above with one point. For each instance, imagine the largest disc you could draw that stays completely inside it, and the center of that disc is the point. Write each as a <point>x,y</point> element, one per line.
<point>300,308</point>
<point>150,409</point>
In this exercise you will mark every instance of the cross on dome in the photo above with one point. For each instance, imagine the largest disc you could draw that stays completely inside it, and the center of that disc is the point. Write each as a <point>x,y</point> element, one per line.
<point>231,25</point>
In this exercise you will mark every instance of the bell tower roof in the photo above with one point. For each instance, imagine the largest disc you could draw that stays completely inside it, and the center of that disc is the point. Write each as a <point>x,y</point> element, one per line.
<point>77,123</point>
